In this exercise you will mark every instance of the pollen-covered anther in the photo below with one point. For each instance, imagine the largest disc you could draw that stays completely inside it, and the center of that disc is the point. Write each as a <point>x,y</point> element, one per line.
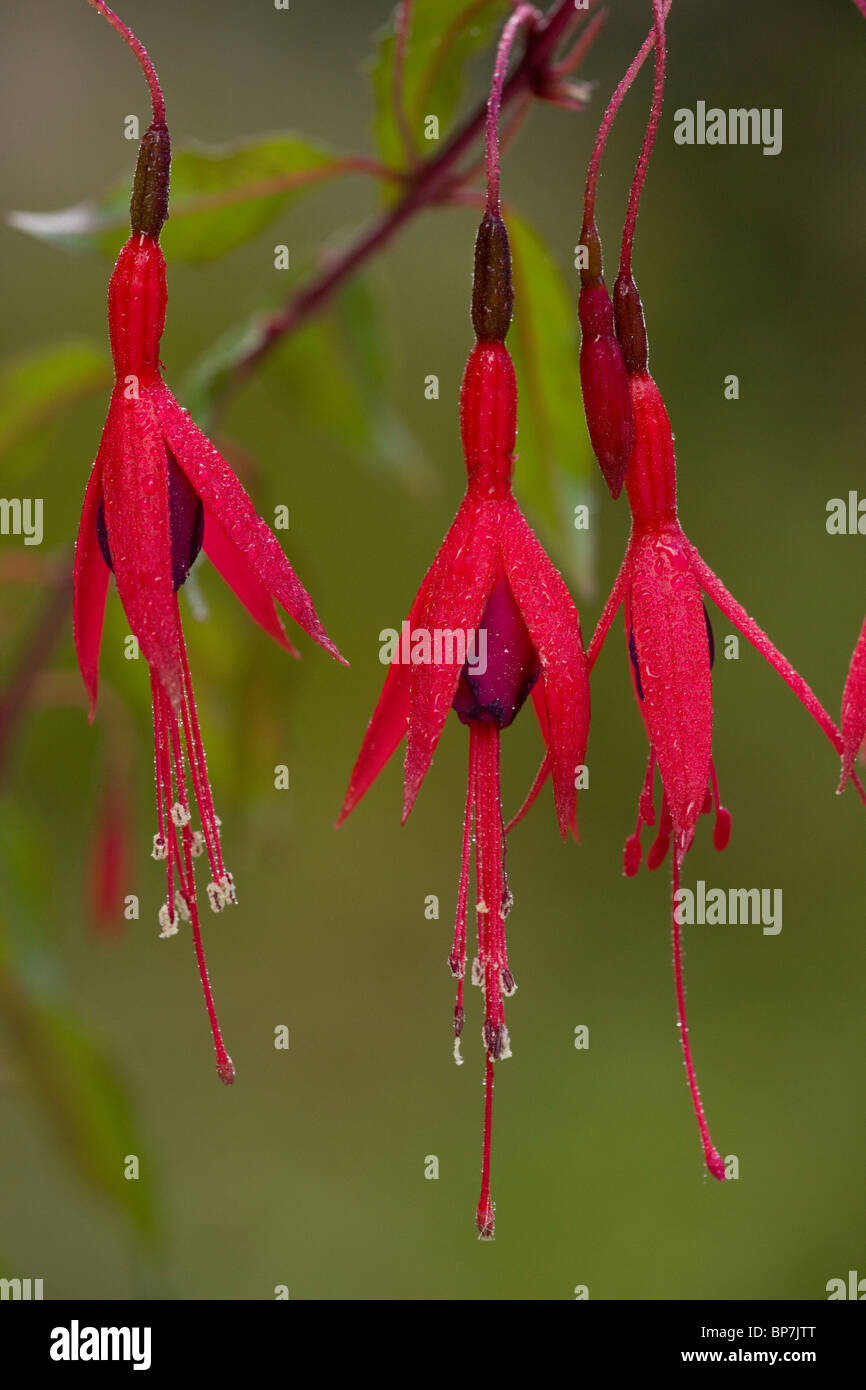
<point>504,1044</point>
<point>216,896</point>
<point>227,884</point>
<point>181,906</point>
<point>168,921</point>
<point>458,1055</point>
<point>196,847</point>
<point>180,815</point>
<point>496,1039</point>
<point>509,984</point>
<point>477,975</point>
<point>160,848</point>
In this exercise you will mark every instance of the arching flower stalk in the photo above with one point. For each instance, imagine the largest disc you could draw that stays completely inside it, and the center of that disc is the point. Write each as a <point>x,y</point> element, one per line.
<point>492,583</point>
<point>159,491</point>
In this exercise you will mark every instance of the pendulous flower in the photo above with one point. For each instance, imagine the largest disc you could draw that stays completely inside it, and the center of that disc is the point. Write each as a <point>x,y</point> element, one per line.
<point>491,578</point>
<point>661,587</point>
<point>158,493</point>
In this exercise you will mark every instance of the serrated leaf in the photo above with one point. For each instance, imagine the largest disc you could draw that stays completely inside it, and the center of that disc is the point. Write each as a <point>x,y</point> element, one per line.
<point>444,35</point>
<point>554,467</point>
<point>37,386</point>
<point>221,196</point>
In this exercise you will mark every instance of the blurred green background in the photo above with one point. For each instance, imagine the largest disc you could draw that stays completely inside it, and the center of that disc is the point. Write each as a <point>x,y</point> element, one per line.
<point>309,1172</point>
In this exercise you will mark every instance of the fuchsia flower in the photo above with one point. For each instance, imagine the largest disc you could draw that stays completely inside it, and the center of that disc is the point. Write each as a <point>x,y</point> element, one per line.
<point>663,579</point>
<point>490,576</point>
<point>159,492</point>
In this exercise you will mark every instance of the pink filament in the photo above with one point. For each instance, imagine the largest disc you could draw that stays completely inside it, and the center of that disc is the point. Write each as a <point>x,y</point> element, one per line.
<point>712,1156</point>
<point>171,790</point>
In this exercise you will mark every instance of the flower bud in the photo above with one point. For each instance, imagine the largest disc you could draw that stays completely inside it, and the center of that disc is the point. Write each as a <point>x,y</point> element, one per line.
<point>603,378</point>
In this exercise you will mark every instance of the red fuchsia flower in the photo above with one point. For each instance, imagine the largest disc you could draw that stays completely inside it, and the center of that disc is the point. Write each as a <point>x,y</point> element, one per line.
<point>490,578</point>
<point>159,492</point>
<point>661,587</point>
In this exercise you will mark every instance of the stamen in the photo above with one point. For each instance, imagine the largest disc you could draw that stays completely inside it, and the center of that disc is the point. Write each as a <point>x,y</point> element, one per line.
<point>712,1156</point>
<point>722,827</point>
<point>485,1219</point>
<point>180,840</point>
<point>646,815</point>
<point>541,777</point>
<point>167,921</point>
<point>457,959</point>
<point>661,844</point>
<point>160,848</point>
<point>216,897</point>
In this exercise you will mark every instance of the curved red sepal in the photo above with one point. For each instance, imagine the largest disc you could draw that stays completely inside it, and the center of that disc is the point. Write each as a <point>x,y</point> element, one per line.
<point>90,587</point>
<point>243,580</point>
<point>666,625</point>
<point>853,718</point>
<point>553,623</point>
<point>456,589</point>
<point>135,495</point>
<point>224,497</point>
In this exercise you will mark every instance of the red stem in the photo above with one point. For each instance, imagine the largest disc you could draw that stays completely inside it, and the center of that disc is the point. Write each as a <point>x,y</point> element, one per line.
<point>524,14</point>
<point>660,13</point>
<point>608,119</point>
<point>141,54</point>
<point>427,186</point>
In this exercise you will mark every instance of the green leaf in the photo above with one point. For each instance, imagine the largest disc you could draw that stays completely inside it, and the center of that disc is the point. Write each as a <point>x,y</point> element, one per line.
<point>85,1098</point>
<point>332,375</point>
<point>67,1068</point>
<point>221,196</point>
<point>444,35</point>
<point>37,386</point>
<point>554,469</point>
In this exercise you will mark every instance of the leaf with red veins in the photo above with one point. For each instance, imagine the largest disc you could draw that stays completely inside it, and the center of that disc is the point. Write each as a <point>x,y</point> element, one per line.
<point>243,580</point>
<point>460,581</point>
<point>90,589</point>
<point>135,493</point>
<point>854,708</point>
<point>224,497</point>
<point>667,631</point>
<point>553,623</point>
